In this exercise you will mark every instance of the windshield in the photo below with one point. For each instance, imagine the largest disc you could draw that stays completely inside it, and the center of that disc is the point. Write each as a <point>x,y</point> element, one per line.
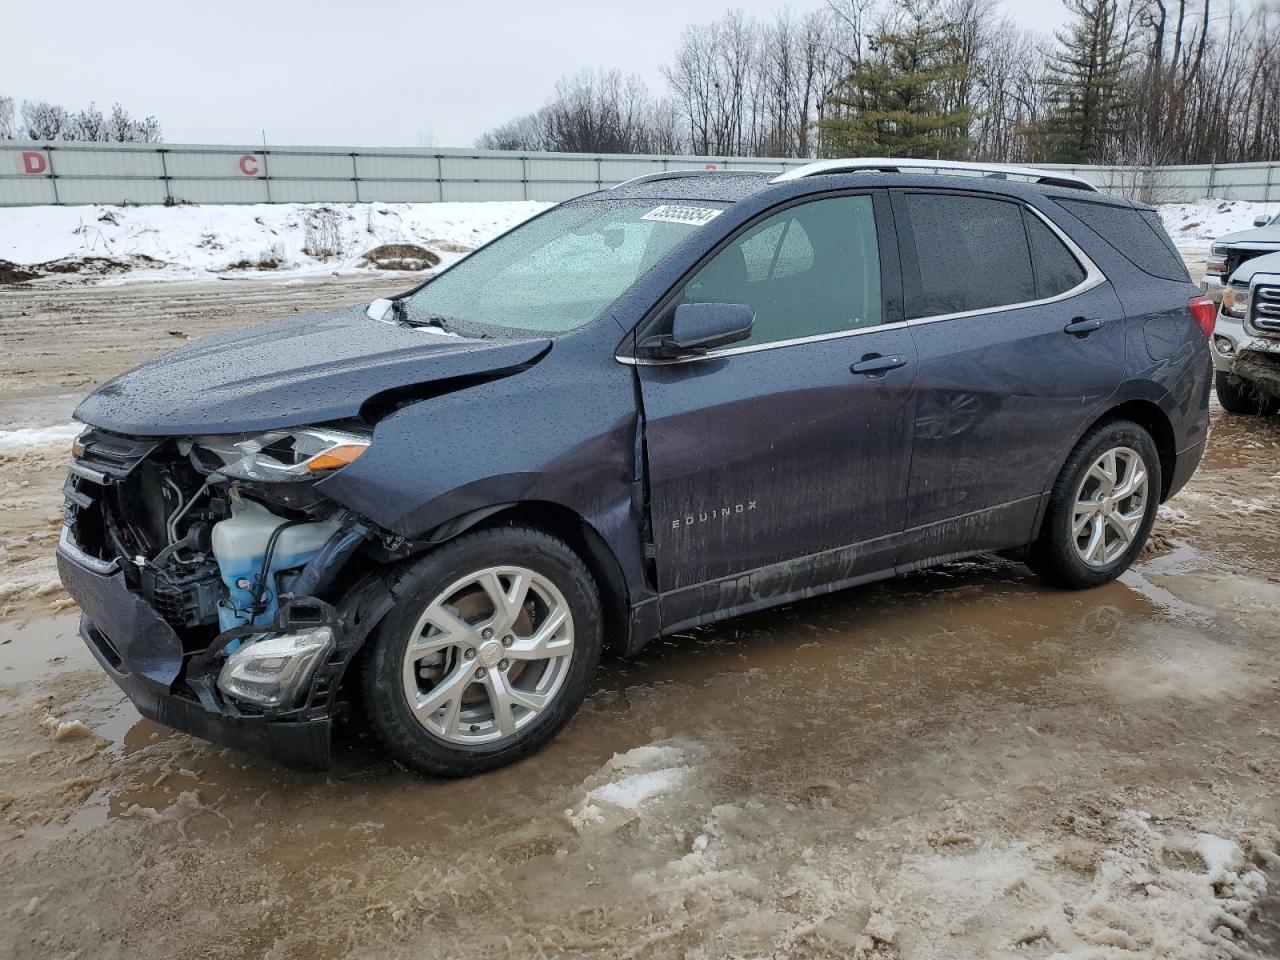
<point>560,270</point>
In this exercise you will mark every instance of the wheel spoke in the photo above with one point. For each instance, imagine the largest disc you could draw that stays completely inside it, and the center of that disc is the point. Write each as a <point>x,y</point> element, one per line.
<point>452,630</point>
<point>1096,549</point>
<point>1126,525</point>
<point>1135,481</point>
<point>448,692</point>
<point>508,602</point>
<point>543,643</point>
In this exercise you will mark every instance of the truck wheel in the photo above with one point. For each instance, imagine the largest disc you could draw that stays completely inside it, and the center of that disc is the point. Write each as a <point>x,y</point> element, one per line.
<point>1239,396</point>
<point>1101,508</point>
<point>487,654</point>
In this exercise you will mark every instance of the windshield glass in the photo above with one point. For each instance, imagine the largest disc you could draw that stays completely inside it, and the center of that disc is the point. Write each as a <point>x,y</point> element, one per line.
<point>558,271</point>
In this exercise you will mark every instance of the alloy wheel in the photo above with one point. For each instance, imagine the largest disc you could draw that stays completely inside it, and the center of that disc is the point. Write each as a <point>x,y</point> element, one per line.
<point>488,655</point>
<point>1110,506</point>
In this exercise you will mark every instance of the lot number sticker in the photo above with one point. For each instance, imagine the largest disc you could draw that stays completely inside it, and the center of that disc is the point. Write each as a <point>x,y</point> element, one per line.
<point>674,213</point>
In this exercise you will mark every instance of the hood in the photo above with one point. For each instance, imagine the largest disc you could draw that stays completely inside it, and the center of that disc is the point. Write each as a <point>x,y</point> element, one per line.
<point>1268,264</point>
<point>307,369</point>
<point>1267,236</point>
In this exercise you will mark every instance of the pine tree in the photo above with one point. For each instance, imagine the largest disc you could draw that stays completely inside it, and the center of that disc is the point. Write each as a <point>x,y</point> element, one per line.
<point>1084,83</point>
<point>891,104</point>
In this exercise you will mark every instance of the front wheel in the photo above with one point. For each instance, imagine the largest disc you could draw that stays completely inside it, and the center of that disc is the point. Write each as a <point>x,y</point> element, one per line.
<point>1239,396</point>
<point>1101,509</point>
<point>488,653</point>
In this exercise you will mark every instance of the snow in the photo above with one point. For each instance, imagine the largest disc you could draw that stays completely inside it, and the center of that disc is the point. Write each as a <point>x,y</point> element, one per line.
<point>630,781</point>
<point>1199,223</point>
<point>27,439</point>
<point>194,242</point>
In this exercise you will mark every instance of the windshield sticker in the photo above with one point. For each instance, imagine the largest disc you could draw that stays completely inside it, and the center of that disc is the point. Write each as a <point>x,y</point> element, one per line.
<point>674,213</point>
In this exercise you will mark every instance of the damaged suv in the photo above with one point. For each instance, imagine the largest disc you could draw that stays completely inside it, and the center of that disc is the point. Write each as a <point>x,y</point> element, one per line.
<point>678,400</point>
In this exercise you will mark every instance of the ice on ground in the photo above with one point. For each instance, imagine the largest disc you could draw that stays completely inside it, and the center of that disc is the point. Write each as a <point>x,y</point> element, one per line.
<point>1178,662</point>
<point>193,242</point>
<point>27,439</point>
<point>629,781</point>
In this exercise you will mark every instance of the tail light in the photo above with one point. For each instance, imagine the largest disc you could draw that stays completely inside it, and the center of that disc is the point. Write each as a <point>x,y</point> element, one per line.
<point>1205,311</point>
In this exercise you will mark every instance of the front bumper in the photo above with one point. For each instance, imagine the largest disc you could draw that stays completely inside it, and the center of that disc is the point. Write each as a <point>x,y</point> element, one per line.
<point>144,656</point>
<point>1230,339</point>
<point>1211,286</point>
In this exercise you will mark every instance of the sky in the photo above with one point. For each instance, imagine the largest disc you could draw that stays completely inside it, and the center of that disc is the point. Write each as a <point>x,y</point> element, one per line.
<point>342,72</point>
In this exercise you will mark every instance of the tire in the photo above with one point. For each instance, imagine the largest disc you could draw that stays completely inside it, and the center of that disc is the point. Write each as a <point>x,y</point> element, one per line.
<point>1057,554</point>
<point>1239,396</point>
<point>463,725</point>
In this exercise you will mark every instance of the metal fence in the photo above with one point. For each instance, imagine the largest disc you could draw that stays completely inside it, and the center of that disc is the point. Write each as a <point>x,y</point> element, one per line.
<point>79,173</point>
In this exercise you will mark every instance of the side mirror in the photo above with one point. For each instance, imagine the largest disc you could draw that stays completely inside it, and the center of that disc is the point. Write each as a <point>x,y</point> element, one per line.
<point>1261,220</point>
<point>699,327</point>
<point>382,310</point>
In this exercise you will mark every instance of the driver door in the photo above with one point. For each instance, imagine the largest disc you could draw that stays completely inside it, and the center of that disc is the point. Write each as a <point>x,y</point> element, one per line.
<point>779,464</point>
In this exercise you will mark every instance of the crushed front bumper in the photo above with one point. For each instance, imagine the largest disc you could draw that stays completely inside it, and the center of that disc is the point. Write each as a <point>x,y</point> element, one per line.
<point>144,656</point>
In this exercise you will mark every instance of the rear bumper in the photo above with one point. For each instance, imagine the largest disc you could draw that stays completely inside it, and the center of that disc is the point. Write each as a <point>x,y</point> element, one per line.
<point>143,655</point>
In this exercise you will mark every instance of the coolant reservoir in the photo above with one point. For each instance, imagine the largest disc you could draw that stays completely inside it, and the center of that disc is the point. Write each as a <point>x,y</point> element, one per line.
<point>240,545</point>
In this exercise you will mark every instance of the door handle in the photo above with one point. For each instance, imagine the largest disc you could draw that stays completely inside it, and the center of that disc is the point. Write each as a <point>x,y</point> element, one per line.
<point>873,364</point>
<point>1082,327</point>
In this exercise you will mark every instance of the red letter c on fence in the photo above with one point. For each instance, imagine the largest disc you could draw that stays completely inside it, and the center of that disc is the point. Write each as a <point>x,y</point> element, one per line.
<point>249,165</point>
<point>33,162</point>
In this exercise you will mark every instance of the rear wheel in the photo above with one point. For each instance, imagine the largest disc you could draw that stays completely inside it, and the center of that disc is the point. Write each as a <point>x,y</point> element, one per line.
<point>1101,509</point>
<point>488,653</point>
<point>1239,396</point>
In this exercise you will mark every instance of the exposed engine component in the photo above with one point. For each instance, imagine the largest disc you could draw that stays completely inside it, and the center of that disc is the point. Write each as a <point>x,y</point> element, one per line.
<point>253,548</point>
<point>185,595</point>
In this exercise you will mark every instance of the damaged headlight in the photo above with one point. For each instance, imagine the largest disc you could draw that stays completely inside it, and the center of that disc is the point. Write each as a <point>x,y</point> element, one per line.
<point>286,455</point>
<point>271,671</point>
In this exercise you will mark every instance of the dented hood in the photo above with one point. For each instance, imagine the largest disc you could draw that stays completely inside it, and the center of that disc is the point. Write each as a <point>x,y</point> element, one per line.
<point>307,369</point>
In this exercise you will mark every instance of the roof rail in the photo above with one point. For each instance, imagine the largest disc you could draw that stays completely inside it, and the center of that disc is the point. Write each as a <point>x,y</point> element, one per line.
<point>1050,178</point>
<point>675,175</point>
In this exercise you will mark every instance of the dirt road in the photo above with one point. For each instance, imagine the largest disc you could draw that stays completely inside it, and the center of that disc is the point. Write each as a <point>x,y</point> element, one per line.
<point>961,763</point>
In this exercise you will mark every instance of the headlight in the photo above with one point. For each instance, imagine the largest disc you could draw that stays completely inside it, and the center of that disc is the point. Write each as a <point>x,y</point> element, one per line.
<point>1217,262</point>
<point>275,669</point>
<point>1235,301</point>
<point>284,455</point>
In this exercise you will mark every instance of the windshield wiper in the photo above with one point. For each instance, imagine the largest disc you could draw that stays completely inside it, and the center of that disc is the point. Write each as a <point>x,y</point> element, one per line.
<point>444,323</point>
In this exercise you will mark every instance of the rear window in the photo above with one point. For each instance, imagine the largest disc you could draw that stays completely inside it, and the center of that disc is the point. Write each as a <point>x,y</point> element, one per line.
<point>1136,235</point>
<point>972,254</point>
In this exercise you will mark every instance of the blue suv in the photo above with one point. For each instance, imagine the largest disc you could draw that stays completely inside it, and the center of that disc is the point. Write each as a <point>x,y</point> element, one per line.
<point>688,397</point>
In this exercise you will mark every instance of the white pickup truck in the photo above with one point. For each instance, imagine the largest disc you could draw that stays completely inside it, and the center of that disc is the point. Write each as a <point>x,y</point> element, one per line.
<point>1246,338</point>
<point>1229,252</point>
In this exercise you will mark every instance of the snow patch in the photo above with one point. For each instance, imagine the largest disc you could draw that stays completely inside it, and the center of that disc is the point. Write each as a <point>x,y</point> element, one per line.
<point>1199,223</point>
<point>27,439</point>
<point>628,782</point>
<point>202,242</point>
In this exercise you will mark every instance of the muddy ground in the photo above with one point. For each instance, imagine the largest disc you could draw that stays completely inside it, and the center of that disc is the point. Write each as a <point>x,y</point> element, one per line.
<point>961,763</point>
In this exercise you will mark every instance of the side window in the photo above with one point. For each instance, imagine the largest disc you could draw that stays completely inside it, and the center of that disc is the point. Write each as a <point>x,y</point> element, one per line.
<point>1057,269</point>
<point>812,269</point>
<point>972,254</point>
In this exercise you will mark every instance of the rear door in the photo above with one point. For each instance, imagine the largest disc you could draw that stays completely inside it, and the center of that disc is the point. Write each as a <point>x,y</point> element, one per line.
<point>776,454</point>
<point>1020,340</point>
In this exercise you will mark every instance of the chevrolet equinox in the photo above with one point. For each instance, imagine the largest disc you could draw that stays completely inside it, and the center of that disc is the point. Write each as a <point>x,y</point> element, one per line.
<point>691,396</point>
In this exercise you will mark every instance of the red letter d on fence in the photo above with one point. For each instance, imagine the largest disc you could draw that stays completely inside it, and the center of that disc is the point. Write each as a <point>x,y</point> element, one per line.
<point>33,162</point>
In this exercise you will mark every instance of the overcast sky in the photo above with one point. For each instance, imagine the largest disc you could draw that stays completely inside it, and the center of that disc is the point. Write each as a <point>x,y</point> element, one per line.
<point>344,72</point>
